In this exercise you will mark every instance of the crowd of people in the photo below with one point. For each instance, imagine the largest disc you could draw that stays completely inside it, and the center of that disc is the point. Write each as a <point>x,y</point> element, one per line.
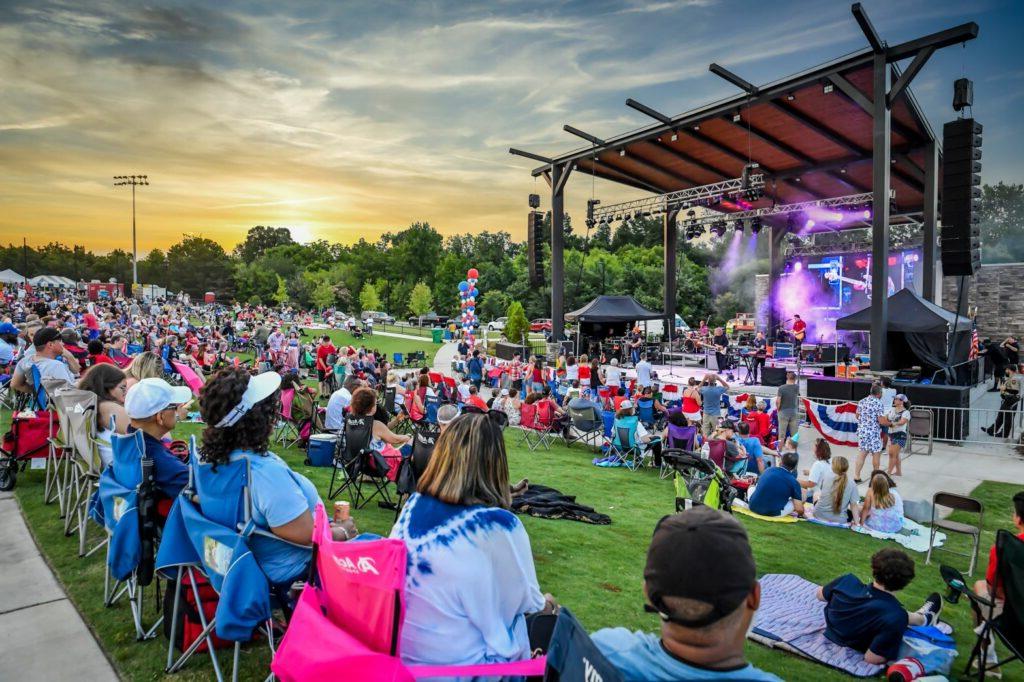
<point>472,588</point>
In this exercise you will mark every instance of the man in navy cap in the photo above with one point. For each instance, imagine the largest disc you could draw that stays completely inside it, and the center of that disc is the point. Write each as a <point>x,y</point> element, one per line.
<point>701,579</point>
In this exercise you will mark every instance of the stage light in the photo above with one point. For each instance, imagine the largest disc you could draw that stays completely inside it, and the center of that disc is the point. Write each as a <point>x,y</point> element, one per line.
<point>828,88</point>
<point>590,222</point>
<point>809,224</point>
<point>674,137</point>
<point>867,214</point>
<point>622,152</point>
<point>798,266</point>
<point>791,223</point>
<point>690,233</point>
<point>737,225</point>
<point>638,214</point>
<point>696,127</point>
<point>755,225</point>
<point>699,229</point>
<point>736,118</point>
<point>718,228</point>
<point>691,213</point>
<point>838,217</point>
<point>790,96</point>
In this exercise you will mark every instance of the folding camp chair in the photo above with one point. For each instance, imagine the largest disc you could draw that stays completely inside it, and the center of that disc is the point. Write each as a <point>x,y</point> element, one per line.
<point>645,411</point>
<point>359,463</point>
<point>188,377</point>
<point>127,497</point>
<point>399,359</point>
<point>535,426</point>
<point>347,624</point>
<point>573,657</point>
<point>77,411</point>
<point>210,539</point>
<point>670,395</point>
<point>413,465</point>
<point>678,438</point>
<point>921,429</point>
<point>587,427</point>
<point>1007,626</point>
<point>624,445</point>
<point>286,431</point>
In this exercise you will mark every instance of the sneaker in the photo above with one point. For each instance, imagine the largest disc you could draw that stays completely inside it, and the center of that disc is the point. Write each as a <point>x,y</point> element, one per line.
<point>931,608</point>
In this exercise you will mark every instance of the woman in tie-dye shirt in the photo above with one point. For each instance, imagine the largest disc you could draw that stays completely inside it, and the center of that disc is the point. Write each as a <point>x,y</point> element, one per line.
<point>471,578</point>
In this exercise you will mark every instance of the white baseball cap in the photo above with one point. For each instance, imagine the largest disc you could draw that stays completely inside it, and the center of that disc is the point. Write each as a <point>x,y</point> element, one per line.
<point>504,391</point>
<point>150,396</point>
<point>260,387</point>
<point>626,405</point>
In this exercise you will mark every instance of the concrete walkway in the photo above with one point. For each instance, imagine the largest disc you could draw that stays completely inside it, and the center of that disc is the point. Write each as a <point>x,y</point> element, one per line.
<point>444,356</point>
<point>45,638</point>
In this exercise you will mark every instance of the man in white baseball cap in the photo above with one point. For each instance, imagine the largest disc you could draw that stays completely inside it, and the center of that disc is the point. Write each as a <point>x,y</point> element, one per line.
<point>152,405</point>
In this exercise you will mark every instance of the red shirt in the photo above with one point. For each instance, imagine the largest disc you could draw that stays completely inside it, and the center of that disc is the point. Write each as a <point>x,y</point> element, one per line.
<point>993,566</point>
<point>799,326</point>
<point>90,321</point>
<point>101,358</point>
<point>477,401</point>
<point>322,351</point>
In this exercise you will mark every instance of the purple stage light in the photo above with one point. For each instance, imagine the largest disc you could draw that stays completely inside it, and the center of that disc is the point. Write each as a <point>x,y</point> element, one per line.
<point>798,266</point>
<point>867,214</point>
<point>809,224</point>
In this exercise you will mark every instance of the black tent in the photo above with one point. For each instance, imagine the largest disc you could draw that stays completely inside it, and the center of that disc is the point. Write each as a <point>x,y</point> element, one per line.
<point>918,333</point>
<point>613,309</point>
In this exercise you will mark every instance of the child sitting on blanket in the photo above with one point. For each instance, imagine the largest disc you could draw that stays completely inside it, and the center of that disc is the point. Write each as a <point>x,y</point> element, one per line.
<point>883,506</point>
<point>870,618</point>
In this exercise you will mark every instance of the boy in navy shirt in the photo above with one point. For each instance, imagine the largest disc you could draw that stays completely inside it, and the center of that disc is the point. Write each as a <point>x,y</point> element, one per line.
<point>777,492</point>
<point>870,618</point>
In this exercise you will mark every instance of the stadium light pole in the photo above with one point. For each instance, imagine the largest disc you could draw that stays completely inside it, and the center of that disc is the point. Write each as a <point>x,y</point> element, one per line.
<point>133,181</point>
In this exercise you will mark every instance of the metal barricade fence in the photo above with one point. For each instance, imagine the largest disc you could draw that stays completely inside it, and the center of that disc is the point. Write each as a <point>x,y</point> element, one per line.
<point>967,424</point>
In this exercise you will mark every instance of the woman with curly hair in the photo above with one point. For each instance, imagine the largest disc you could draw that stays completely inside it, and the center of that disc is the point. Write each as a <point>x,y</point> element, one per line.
<point>240,411</point>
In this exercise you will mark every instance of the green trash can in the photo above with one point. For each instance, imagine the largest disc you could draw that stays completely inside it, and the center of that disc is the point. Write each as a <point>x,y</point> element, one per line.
<point>437,332</point>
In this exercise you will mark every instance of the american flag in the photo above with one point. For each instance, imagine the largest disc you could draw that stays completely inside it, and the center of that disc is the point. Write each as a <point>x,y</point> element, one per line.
<point>975,342</point>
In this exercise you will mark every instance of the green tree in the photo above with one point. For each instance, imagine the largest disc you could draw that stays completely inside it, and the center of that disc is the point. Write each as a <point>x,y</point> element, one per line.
<point>197,264</point>
<point>369,299</point>
<point>323,294</point>
<point>153,268</point>
<point>261,238</point>
<point>420,299</point>
<point>517,327</point>
<point>1001,214</point>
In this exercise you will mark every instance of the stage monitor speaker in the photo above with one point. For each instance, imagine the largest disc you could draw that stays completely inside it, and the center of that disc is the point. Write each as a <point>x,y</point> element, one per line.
<point>773,376</point>
<point>859,389</point>
<point>829,389</point>
<point>829,371</point>
<point>951,418</point>
<point>828,354</point>
<point>961,192</point>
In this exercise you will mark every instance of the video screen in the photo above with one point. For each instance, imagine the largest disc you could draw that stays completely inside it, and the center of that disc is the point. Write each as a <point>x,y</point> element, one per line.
<point>823,288</point>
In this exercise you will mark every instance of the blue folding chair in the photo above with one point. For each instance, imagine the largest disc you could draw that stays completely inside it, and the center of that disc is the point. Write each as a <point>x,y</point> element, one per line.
<point>431,406</point>
<point>624,444</point>
<point>208,534</point>
<point>573,657</point>
<point>127,509</point>
<point>645,410</point>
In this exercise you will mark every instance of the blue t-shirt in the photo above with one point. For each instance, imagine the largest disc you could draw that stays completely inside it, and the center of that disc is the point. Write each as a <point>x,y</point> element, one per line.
<point>6,353</point>
<point>775,488</point>
<point>279,496</point>
<point>864,617</point>
<point>711,397</point>
<point>754,451</point>
<point>640,657</point>
<point>169,472</point>
<point>476,368</point>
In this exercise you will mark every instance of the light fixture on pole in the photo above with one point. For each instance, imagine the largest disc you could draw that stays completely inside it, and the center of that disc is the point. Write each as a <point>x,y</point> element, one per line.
<point>133,181</point>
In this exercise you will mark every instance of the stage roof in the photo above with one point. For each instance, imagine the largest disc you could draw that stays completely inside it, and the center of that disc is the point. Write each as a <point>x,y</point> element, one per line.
<point>908,312</point>
<point>613,309</point>
<point>810,144</point>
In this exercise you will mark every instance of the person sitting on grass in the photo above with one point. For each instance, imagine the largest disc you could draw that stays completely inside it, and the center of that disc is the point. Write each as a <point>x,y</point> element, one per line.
<point>819,471</point>
<point>883,506</point>
<point>869,618</point>
<point>701,579</point>
<point>777,492</point>
<point>837,500</point>
<point>471,579</point>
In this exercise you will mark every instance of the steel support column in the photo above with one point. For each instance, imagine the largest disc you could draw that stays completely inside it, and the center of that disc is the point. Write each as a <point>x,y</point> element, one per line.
<point>776,263</point>
<point>880,182</point>
<point>670,238</point>
<point>559,175</point>
<point>930,218</point>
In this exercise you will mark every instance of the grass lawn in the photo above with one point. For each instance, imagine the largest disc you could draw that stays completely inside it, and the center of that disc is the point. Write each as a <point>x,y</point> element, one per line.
<point>385,344</point>
<point>596,570</point>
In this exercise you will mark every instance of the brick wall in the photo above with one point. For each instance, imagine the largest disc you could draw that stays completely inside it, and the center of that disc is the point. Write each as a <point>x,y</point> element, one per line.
<point>998,293</point>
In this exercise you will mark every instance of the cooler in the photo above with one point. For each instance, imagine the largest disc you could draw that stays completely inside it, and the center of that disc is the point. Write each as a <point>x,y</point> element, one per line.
<point>321,449</point>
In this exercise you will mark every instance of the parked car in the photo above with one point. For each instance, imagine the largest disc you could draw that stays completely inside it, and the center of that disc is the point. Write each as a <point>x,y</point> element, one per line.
<point>497,325</point>
<point>377,317</point>
<point>541,324</point>
<point>431,319</point>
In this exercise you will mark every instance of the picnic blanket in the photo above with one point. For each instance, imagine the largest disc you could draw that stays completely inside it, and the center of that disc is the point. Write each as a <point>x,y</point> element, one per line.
<point>792,619</point>
<point>914,536</point>
<point>740,507</point>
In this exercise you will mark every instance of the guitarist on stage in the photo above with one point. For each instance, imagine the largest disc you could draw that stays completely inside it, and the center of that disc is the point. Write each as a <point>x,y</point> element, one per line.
<point>799,333</point>
<point>721,342</point>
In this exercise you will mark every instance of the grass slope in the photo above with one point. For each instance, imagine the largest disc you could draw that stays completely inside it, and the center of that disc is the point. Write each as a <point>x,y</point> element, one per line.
<point>596,570</point>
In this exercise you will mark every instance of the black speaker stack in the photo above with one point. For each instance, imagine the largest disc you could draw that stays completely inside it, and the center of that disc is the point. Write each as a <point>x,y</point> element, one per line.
<point>535,246</point>
<point>961,192</point>
<point>773,376</point>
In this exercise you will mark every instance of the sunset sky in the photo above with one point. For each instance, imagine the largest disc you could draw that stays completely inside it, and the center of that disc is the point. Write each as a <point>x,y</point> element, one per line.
<point>343,120</point>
